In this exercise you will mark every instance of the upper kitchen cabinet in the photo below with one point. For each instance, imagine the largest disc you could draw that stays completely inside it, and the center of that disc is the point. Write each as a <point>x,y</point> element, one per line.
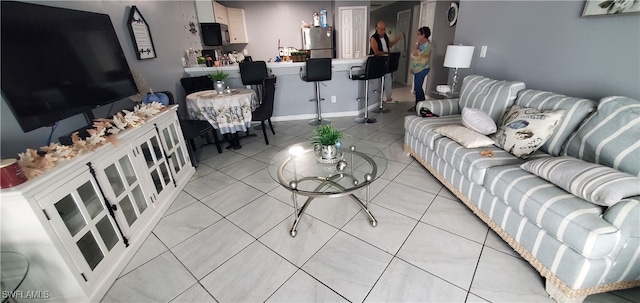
<point>204,10</point>
<point>237,26</point>
<point>220,13</point>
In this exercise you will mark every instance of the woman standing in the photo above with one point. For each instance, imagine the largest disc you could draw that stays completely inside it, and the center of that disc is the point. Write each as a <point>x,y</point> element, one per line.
<point>420,63</point>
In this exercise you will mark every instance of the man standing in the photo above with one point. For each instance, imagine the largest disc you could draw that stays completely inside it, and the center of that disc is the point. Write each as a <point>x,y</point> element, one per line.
<point>380,45</point>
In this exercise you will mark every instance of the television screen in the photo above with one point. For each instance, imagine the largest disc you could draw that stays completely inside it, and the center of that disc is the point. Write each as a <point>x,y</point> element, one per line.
<point>58,62</point>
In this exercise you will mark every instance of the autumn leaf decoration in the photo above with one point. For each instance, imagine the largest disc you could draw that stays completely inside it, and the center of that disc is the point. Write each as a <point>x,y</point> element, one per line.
<point>104,131</point>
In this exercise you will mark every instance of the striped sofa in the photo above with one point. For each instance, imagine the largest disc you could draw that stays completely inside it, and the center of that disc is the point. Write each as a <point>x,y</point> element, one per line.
<point>579,247</point>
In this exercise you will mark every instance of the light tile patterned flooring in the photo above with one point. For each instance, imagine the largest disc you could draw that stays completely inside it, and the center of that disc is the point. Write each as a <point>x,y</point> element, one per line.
<point>225,238</point>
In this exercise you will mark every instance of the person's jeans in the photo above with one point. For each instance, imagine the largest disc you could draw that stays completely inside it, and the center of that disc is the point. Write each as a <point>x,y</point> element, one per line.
<point>418,79</point>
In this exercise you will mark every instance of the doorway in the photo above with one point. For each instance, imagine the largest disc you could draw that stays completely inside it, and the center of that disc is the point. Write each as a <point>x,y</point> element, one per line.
<point>403,25</point>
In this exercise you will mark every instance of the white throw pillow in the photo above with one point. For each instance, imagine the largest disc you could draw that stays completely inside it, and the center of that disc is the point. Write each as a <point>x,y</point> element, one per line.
<point>524,130</point>
<point>464,136</point>
<point>595,183</point>
<point>478,120</point>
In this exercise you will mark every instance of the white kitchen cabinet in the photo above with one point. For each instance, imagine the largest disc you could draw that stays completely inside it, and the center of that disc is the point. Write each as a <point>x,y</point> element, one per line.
<point>220,12</point>
<point>237,25</point>
<point>80,222</point>
<point>204,11</point>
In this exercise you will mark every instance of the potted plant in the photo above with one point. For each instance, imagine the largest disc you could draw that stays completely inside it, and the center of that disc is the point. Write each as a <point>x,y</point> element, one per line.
<point>326,137</point>
<point>217,78</point>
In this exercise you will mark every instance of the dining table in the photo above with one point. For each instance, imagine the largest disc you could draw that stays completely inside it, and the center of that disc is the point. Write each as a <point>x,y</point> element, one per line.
<point>229,113</point>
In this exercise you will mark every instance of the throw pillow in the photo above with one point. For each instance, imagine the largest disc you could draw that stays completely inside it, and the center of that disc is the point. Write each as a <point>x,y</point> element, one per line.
<point>595,183</point>
<point>464,136</point>
<point>478,120</point>
<point>524,130</point>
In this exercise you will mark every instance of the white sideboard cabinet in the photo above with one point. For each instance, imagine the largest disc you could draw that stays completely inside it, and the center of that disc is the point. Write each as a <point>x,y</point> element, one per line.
<point>80,222</point>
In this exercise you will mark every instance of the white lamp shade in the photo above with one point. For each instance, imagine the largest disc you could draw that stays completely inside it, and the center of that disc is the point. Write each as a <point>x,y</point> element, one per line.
<point>458,56</point>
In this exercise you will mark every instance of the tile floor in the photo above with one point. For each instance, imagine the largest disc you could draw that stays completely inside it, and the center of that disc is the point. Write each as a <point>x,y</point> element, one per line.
<point>225,238</point>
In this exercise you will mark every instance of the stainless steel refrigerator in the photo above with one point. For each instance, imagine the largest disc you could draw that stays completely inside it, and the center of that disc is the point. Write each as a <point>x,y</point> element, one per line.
<point>319,41</point>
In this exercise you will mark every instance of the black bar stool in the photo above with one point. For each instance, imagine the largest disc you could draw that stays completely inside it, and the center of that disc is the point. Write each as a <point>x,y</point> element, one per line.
<point>392,66</point>
<point>318,69</point>
<point>375,68</point>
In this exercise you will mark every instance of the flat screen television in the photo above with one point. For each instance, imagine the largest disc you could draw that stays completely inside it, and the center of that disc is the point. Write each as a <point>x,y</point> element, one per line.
<point>57,63</point>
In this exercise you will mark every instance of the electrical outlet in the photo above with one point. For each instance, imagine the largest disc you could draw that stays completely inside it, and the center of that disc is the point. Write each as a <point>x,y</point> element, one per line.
<point>483,51</point>
<point>333,99</point>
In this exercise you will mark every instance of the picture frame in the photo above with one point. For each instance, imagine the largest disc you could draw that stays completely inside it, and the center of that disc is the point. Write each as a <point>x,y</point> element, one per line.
<point>141,35</point>
<point>610,7</point>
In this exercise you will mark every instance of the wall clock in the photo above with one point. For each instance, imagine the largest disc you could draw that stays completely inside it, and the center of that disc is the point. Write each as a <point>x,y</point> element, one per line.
<point>452,14</point>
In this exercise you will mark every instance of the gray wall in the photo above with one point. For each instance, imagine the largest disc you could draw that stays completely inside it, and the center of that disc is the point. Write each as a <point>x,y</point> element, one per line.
<point>268,21</point>
<point>168,21</point>
<point>441,35</point>
<point>550,47</point>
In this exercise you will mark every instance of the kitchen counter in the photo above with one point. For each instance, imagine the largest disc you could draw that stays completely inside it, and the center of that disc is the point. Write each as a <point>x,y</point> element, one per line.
<point>294,97</point>
<point>277,68</point>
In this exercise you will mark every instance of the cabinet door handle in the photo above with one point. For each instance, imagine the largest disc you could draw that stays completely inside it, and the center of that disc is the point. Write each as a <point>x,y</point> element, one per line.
<point>114,207</point>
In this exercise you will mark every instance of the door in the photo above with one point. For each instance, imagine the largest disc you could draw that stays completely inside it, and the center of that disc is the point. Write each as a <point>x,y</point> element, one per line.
<point>123,178</point>
<point>174,147</point>
<point>403,25</point>
<point>78,214</point>
<point>353,40</point>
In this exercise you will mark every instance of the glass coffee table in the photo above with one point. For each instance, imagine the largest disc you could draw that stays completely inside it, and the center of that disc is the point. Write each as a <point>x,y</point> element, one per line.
<point>299,169</point>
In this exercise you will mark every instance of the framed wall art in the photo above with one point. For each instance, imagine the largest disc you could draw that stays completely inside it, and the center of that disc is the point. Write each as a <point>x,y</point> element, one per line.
<point>610,7</point>
<point>141,35</point>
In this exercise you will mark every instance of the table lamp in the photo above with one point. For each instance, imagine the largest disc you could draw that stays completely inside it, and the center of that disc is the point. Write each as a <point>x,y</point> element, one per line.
<point>457,56</point>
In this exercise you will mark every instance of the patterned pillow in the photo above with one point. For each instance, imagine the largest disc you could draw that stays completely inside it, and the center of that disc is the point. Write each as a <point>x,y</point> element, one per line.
<point>524,130</point>
<point>464,136</point>
<point>593,182</point>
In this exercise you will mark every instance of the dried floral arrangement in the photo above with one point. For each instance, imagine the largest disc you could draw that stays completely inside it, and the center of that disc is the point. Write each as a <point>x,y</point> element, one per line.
<point>34,163</point>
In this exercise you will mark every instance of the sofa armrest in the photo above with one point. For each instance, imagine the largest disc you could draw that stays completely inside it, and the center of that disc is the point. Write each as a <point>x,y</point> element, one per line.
<point>624,216</point>
<point>440,107</point>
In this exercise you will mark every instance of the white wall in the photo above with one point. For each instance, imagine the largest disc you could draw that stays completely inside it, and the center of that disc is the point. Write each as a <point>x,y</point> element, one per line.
<point>168,21</point>
<point>268,21</point>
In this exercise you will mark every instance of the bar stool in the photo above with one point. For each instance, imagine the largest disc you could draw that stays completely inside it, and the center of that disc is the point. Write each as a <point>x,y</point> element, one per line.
<point>375,68</point>
<point>392,66</point>
<point>318,69</point>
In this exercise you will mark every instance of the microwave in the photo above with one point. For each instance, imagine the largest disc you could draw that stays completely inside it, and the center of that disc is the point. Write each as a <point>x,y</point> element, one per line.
<point>215,34</point>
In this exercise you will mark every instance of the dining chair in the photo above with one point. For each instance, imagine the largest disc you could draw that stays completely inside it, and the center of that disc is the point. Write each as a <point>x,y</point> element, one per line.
<point>193,129</point>
<point>196,84</point>
<point>253,73</point>
<point>265,111</point>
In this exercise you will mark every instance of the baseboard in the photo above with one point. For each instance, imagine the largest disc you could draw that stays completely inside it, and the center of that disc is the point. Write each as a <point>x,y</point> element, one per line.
<point>324,115</point>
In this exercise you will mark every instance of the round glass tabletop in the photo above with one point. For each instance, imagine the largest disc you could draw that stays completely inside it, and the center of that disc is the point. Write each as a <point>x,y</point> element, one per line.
<point>300,168</point>
<point>14,269</point>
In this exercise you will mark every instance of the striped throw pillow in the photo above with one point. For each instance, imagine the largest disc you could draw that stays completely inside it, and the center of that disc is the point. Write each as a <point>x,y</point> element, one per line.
<point>595,183</point>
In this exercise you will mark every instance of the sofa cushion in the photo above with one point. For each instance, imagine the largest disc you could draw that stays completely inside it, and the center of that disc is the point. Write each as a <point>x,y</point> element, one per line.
<point>470,163</point>
<point>422,128</point>
<point>524,130</point>
<point>595,183</point>
<point>464,136</point>
<point>575,111</point>
<point>609,136</point>
<point>479,121</point>
<point>493,97</point>
<point>569,219</point>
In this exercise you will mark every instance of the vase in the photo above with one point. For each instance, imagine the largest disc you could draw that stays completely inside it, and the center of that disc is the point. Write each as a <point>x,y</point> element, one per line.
<point>219,86</point>
<point>328,152</point>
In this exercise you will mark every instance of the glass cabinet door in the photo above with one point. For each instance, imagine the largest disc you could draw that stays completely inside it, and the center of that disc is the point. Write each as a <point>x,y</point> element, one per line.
<point>174,146</point>
<point>79,216</point>
<point>121,182</point>
<point>156,166</point>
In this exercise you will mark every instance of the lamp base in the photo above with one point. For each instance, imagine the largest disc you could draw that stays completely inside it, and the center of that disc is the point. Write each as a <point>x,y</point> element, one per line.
<point>455,81</point>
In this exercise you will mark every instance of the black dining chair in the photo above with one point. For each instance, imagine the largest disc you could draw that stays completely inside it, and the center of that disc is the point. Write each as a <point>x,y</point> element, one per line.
<point>265,111</point>
<point>196,84</point>
<point>253,73</point>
